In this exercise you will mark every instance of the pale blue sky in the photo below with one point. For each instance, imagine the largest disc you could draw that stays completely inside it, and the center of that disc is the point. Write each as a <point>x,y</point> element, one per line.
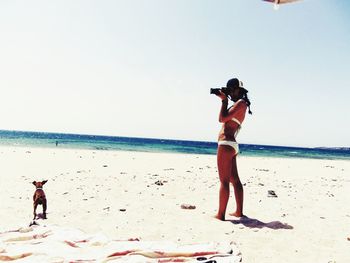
<point>144,68</point>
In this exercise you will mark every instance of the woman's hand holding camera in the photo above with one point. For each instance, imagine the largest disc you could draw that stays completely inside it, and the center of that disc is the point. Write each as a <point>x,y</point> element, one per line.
<point>222,96</point>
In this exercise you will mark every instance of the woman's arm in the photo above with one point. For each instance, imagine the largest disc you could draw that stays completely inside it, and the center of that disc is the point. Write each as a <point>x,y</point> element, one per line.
<point>226,115</point>
<point>223,110</point>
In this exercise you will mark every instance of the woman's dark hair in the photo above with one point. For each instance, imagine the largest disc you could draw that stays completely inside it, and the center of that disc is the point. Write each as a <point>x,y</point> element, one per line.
<point>244,96</point>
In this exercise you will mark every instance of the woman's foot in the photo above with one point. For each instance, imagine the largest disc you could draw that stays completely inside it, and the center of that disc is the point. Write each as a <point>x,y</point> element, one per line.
<point>236,214</point>
<point>222,218</point>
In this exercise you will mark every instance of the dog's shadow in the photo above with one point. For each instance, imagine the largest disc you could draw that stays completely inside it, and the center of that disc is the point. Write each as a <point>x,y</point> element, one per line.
<point>40,216</point>
<point>255,223</point>
<point>36,221</point>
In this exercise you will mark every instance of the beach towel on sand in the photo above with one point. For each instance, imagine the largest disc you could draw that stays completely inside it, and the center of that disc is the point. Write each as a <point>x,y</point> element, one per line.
<point>57,244</point>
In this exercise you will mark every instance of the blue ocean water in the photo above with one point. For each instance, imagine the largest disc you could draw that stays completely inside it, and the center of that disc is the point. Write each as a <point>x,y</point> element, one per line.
<point>78,141</point>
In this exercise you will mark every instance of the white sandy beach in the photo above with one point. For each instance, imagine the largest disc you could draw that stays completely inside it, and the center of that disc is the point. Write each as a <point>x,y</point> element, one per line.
<point>139,195</point>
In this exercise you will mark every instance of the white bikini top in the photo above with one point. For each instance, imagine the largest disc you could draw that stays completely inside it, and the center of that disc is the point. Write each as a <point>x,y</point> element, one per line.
<point>236,121</point>
<point>239,126</point>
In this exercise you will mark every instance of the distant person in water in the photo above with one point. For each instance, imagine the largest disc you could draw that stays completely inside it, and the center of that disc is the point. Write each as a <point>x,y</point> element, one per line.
<point>231,119</point>
<point>56,143</point>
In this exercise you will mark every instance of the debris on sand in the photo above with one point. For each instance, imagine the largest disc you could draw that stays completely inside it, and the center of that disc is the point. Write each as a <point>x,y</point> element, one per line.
<point>271,193</point>
<point>188,206</point>
<point>159,182</point>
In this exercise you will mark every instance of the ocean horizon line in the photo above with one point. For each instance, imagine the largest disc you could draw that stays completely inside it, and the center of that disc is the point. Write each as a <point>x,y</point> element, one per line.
<point>346,148</point>
<point>123,143</point>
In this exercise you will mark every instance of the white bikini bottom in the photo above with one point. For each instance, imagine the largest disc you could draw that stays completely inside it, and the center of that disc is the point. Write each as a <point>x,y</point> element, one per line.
<point>234,145</point>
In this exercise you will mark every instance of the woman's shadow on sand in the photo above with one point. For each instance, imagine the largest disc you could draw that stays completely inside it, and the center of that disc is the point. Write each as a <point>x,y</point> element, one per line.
<point>255,223</point>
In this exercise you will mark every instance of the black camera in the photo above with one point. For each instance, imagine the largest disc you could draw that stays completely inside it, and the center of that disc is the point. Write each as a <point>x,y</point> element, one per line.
<point>224,90</point>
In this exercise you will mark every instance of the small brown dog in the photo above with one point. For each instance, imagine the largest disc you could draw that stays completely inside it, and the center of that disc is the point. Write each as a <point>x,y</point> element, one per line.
<point>39,197</point>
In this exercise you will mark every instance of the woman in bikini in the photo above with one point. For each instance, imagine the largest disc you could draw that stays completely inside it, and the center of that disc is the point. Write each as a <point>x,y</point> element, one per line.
<point>231,118</point>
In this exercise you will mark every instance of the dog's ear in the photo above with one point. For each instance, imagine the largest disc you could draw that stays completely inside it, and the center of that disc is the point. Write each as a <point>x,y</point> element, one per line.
<point>34,182</point>
<point>44,182</point>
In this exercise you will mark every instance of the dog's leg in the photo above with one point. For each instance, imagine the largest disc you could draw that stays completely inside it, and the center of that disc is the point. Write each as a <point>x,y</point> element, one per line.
<point>35,206</point>
<point>44,208</point>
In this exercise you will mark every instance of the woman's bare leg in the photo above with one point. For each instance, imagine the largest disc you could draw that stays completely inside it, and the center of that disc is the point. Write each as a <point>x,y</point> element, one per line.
<point>224,162</point>
<point>238,188</point>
